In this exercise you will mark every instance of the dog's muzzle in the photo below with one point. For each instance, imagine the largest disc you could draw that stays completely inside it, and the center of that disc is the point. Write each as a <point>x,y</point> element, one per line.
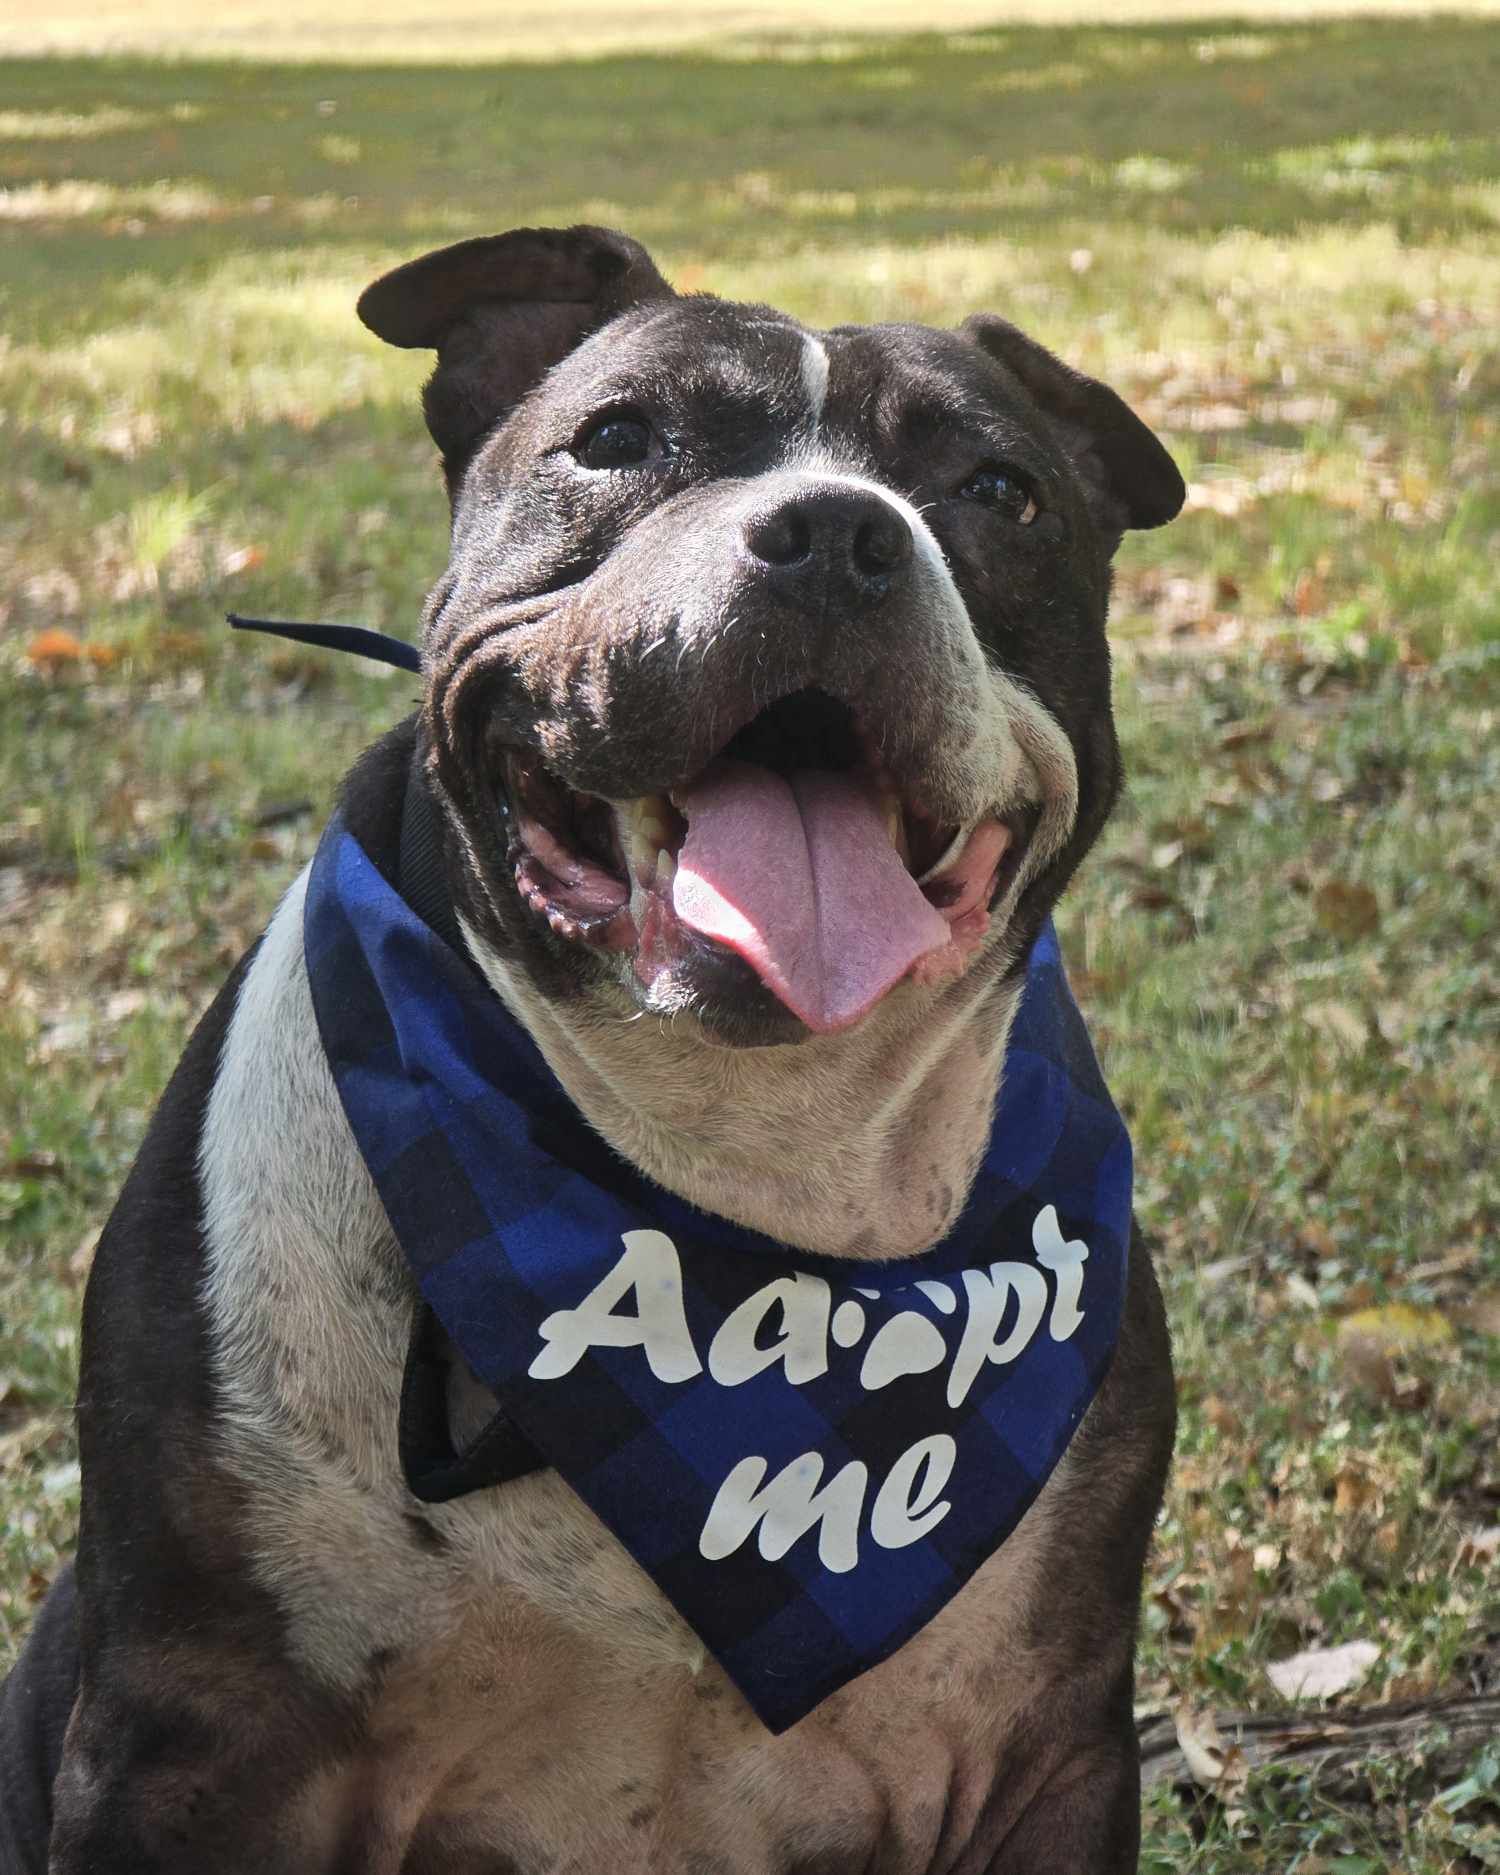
<point>793,849</point>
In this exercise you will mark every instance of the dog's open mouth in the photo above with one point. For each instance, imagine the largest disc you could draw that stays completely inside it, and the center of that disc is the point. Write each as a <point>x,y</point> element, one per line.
<point>792,849</point>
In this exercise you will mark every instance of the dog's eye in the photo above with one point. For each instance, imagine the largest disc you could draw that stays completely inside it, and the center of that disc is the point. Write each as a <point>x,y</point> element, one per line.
<point>998,488</point>
<point>621,440</point>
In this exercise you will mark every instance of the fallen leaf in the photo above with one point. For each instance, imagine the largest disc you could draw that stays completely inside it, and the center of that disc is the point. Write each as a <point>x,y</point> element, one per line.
<point>1372,1341</point>
<point>241,559</point>
<point>179,646</point>
<point>1214,1763</point>
<point>1309,595</point>
<point>1479,1549</point>
<point>1155,898</point>
<point>54,650</point>
<point>1454,1265</point>
<point>115,919</point>
<point>1222,1416</point>
<point>65,1036</point>
<point>1314,1235</point>
<point>1398,1327</point>
<point>1212,1274</point>
<point>36,1165</point>
<point>1179,1609</point>
<point>1193,834</point>
<point>1320,1672</point>
<point>1345,911</point>
<point>1252,729</point>
<point>1299,1290</point>
<point>1353,1490</point>
<point>1482,1312</point>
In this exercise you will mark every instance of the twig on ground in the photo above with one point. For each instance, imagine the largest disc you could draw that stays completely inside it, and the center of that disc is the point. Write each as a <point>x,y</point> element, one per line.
<point>1335,1748</point>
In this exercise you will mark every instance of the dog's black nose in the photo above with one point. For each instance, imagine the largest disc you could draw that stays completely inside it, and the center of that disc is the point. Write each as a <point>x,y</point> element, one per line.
<point>849,541</point>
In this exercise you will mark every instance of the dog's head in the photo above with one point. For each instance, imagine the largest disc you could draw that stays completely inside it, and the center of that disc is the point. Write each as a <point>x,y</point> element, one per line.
<point>768,672</point>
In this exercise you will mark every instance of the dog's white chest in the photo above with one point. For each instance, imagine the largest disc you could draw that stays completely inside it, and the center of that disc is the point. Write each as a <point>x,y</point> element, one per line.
<point>559,1716</point>
<point>530,1692</point>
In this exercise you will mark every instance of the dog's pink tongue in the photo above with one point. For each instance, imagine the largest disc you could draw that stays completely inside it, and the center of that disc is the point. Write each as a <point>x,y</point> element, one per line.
<point>798,875</point>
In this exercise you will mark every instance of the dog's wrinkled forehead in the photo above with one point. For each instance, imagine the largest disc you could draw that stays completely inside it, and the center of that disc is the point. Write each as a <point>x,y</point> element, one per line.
<point>709,364</point>
<point>525,321</point>
<point>693,344</point>
<point>748,386</point>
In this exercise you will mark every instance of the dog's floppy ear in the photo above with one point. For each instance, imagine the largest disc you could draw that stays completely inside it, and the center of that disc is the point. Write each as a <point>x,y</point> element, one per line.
<point>500,311</point>
<point>1131,479</point>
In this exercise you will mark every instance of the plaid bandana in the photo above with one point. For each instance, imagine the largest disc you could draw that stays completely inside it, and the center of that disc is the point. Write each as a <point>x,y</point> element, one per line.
<point>810,1457</point>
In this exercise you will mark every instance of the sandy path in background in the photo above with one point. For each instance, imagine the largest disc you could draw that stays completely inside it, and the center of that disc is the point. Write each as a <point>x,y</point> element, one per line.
<point>405,30</point>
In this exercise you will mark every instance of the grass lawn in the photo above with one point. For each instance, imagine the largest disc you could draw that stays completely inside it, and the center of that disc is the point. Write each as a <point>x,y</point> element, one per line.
<point>1281,239</point>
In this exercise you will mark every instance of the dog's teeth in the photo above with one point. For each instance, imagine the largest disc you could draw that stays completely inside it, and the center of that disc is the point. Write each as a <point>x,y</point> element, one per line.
<point>894,815</point>
<point>666,869</point>
<point>643,829</point>
<point>950,853</point>
<point>648,812</point>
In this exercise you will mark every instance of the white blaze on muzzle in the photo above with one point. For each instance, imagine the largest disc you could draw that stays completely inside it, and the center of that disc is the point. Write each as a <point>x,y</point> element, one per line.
<point>799,874</point>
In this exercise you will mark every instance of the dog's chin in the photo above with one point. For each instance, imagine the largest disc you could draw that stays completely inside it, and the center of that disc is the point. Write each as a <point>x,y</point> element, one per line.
<point>717,994</point>
<point>784,891</point>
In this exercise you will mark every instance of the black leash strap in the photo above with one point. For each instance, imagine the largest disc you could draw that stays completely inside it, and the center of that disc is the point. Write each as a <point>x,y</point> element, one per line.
<point>356,638</point>
<point>434,1468</point>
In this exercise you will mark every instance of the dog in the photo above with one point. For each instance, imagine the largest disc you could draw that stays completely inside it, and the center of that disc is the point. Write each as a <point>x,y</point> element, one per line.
<point>710,572</point>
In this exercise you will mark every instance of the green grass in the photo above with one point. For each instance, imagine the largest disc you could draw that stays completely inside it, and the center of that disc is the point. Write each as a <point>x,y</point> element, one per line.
<point>1281,239</point>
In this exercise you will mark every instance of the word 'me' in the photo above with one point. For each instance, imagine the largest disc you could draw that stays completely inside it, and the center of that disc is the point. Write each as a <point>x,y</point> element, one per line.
<point>795,1321</point>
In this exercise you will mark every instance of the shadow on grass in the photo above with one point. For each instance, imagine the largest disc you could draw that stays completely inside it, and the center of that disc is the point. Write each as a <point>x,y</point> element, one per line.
<point>124,177</point>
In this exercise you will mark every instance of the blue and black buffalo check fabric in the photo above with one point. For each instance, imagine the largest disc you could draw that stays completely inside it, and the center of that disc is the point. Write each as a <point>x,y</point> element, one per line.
<point>876,1498</point>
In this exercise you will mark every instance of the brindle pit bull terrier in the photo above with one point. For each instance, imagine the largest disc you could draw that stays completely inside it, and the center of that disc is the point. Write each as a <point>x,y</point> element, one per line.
<point>681,527</point>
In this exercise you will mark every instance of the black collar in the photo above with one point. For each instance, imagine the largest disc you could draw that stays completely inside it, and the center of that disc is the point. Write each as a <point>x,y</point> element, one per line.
<point>420,868</point>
